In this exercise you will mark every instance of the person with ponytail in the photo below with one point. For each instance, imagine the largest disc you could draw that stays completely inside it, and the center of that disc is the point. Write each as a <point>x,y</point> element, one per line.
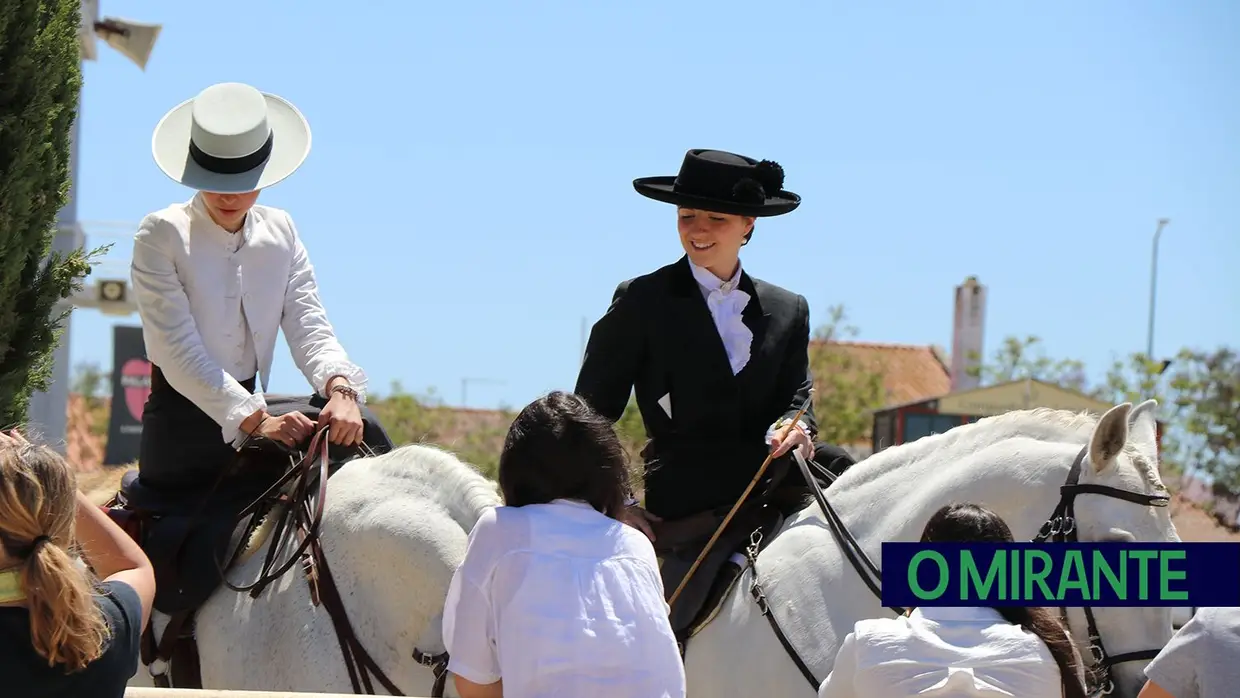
<point>959,651</point>
<point>66,630</point>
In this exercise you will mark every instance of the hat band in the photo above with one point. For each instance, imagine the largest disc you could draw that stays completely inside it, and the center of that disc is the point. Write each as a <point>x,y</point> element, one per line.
<point>228,166</point>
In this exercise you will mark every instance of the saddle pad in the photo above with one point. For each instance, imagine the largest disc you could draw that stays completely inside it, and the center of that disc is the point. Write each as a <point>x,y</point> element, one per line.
<point>705,584</point>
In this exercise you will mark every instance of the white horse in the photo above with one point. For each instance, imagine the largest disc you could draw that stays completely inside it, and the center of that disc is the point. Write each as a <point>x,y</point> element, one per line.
<point>395,528</point>
<point>1013,464</point>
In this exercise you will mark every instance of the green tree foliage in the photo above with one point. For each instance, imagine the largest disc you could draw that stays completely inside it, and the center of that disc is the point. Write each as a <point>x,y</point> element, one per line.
<point>848,387</point>
<point>1198,394</point>
<point>93,385</point>
<point>474,436</point>
<point>1020,358</point>
<point>41,67</point>
<point>1199,399</point>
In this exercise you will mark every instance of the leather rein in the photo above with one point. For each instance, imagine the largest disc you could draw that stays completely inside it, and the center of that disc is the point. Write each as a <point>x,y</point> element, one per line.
<point>293,492</point>
<point>1059,527</point>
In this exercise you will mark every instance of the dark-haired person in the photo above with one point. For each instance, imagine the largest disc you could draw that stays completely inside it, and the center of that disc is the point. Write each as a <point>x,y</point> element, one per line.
<point>65,631</point>
<point>945,651</point>
<point>1202,660</point>
<point>719,362</point>
<point>555,596</point>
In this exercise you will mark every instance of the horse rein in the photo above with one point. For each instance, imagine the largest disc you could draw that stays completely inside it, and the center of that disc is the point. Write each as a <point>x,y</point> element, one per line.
<point>1059,527</point>
<point>306,521</point>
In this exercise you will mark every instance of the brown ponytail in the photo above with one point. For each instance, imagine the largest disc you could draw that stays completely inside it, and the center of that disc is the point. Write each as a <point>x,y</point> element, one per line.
<point>38,506</point>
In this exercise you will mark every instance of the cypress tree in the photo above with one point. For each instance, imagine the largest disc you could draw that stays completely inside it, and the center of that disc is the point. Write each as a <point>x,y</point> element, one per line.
<point>40,81</point>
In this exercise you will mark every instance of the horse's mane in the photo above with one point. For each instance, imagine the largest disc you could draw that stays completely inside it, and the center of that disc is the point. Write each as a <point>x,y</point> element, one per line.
<point>1040,424</point>
<point>457,486</point>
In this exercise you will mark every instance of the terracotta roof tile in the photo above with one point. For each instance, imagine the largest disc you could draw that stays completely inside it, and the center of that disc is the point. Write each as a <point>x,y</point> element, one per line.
<point>911,372</point>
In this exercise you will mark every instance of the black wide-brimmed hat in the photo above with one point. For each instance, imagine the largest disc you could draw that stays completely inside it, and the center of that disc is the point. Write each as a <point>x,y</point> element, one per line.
<point>714,180</point>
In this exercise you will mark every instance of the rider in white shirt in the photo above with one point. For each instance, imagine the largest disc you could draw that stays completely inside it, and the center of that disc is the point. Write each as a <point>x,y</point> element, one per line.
<point>216,278</point>
<point>959,652</point>
<point>555,596</point>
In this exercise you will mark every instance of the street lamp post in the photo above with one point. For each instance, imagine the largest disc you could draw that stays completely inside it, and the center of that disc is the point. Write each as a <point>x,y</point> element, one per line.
<point>48,411</point>
<point>1149,339</point>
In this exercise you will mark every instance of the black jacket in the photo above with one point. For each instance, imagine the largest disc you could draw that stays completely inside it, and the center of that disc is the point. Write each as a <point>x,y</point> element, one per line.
<point>658,338</point>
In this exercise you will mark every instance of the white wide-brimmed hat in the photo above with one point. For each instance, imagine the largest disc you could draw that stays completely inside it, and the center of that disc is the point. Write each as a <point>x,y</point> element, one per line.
<point>231,139</point>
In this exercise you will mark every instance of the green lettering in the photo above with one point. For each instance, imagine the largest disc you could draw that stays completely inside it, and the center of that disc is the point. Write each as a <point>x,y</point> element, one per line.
<point>1074,563</point>
<point>1015,588</point>
<point>1166,575</point>
<point>1103,568</point>
<point>915,587</point>
<point>1143,585</point>
<point>971,577</point>
<point>1039,577</point>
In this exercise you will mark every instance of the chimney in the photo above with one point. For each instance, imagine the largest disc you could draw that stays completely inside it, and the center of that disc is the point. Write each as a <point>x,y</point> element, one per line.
<point>967,331</point>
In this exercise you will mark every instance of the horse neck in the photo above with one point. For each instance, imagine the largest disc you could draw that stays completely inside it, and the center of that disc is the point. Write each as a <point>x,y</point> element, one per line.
<point>462,491</point>
<point>891,495</point>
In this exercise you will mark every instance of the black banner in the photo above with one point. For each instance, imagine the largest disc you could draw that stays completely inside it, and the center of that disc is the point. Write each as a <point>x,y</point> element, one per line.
<point>131,383</point>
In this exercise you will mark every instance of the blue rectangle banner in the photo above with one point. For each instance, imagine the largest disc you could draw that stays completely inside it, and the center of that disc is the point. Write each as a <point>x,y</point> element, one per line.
<point>1061,574</point>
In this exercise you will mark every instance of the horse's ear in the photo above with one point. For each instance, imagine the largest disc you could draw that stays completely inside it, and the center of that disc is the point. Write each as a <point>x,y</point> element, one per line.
<point>1109,436</point>
<point>1143,425</point>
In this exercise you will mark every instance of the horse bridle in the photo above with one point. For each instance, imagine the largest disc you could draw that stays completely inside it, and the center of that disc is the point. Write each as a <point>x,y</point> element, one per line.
<point>293,490</point>
<point>1059,527</point>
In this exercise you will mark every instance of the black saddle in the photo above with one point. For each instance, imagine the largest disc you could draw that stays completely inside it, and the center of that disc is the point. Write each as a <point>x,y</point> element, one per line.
<point>715,576</point>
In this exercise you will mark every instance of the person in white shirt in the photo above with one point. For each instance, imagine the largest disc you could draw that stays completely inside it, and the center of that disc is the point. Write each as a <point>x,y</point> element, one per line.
<point>555,596</point>
<point>216,278</point>
<point>959,652</point>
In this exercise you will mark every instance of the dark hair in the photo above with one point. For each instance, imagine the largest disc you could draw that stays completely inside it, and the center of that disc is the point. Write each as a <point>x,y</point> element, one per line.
<point>972,523</point>
<point>558,447</point>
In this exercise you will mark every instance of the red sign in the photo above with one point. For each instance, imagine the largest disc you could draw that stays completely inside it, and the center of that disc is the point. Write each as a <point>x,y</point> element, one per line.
<point>136,381</point>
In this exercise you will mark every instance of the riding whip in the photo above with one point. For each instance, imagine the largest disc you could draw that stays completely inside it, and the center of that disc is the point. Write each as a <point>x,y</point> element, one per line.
<point>736,507</point>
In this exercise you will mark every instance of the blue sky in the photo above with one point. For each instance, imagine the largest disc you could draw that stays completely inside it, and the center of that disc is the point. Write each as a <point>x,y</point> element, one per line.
<point>468,199</point>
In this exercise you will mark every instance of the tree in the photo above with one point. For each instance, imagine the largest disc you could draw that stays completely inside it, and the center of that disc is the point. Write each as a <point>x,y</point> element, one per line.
<point>1198,401</point>
<point>848,389</point>
<point>1020,358</point>
<point>38,98</point>
<point>91,382</point>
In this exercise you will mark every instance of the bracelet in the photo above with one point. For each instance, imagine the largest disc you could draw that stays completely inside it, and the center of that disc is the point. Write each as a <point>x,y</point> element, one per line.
<point>345,391</point>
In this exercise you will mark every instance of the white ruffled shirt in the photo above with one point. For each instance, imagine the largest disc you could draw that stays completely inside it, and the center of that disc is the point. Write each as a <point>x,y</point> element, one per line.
<point>212,303</point>
<point>727,306</point>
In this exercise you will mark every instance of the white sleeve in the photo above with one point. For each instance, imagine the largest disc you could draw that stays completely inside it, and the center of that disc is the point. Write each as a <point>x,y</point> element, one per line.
<point>171,334</point>
<point>468,620</point>
<point>316,351</point>
<point>839,683</point>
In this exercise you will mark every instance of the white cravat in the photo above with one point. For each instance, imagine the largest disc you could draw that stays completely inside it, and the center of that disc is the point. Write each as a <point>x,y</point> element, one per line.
<point>727,303</point>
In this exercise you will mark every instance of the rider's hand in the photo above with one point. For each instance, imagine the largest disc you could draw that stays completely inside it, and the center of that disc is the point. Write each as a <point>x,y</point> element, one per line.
<point>640,519</point>
<point>289,429</point>
<point>792,436</point>
<point>345,418</point>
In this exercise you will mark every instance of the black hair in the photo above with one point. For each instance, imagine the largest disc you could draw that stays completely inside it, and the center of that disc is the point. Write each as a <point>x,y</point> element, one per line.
<point>558,447</point>
<point>959,523</point>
